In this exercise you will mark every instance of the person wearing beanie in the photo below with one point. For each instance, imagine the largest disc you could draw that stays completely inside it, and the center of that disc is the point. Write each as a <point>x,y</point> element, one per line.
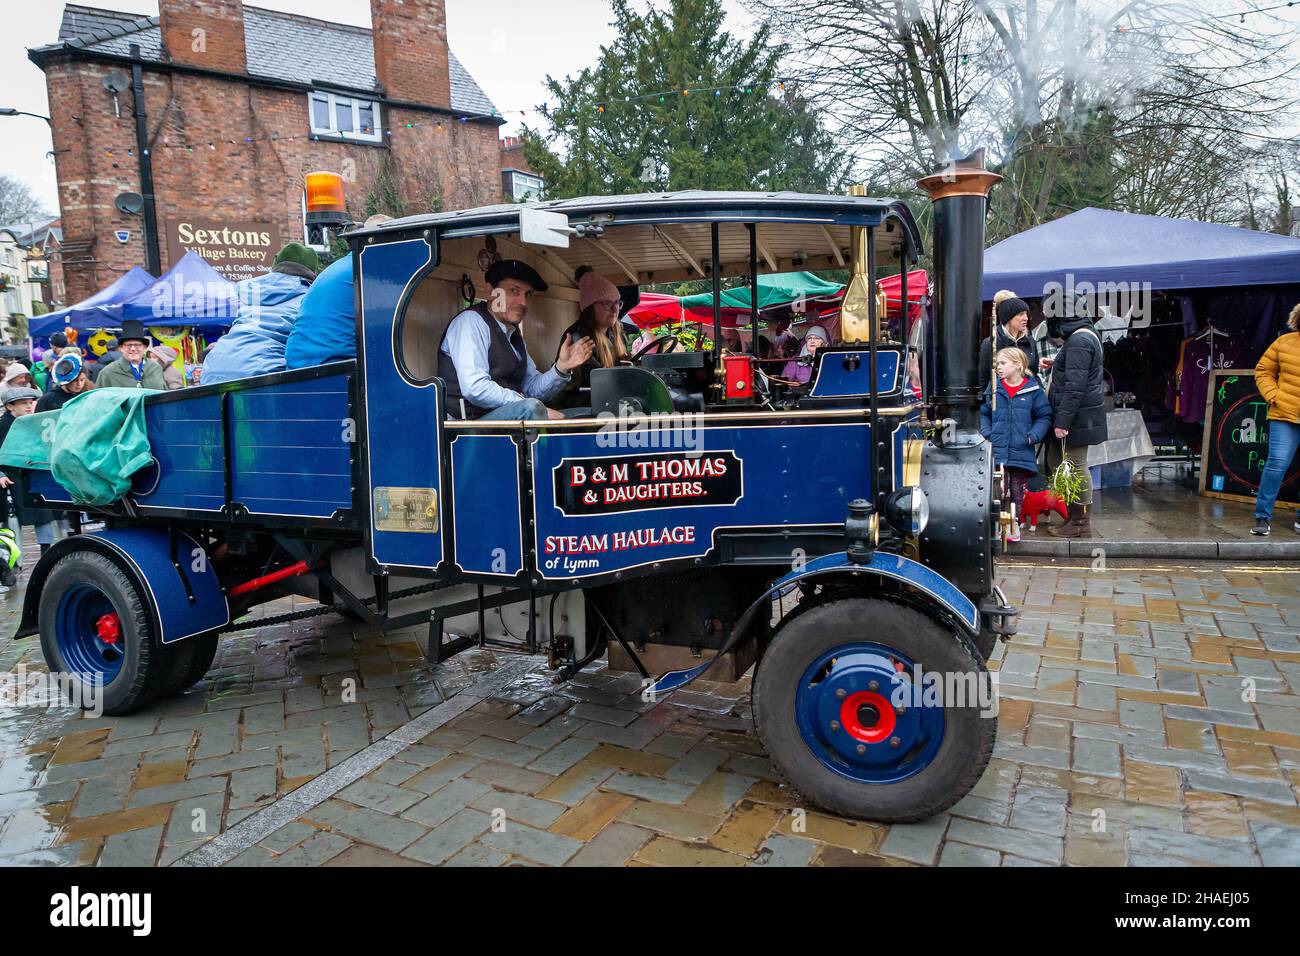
<point>166,356</point>
<point>17,374</point>
<point>599,304</point>
<point>1010,328</point>
<point>800,369</point>
<point>133,369</point>
<point>70,380</point>
<point>111,352</point>
<point>58,341</point>
<point>295,259</point>
<point>1078,396</point>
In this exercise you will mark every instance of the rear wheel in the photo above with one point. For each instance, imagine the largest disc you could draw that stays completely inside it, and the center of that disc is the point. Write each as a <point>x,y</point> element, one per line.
<point>841,716</point>
<point>186,662</point>
<point>95,627</point>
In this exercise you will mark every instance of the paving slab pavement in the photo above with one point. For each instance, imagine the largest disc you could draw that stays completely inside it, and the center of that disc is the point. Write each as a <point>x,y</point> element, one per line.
<point>1149,715</point>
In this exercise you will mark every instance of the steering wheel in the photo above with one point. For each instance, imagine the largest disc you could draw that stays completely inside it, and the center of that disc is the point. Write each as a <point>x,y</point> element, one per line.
<point>657,345</point>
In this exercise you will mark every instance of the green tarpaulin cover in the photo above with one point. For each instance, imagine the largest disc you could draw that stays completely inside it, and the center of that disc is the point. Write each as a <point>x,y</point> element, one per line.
<point>93,445</point>
<point>776,289</point>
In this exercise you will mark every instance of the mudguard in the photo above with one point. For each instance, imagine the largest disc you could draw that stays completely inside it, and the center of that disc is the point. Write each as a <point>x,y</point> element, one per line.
<point>185,598</point>
<point>934,586</point>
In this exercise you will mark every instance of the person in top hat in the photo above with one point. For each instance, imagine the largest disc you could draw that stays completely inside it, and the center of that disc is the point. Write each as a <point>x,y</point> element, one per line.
<point>70,380</point>
<point>132,370</point>
<point>484,362</point>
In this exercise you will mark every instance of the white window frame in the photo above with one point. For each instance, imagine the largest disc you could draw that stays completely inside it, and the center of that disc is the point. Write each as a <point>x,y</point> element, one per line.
<point>516,178</point>
<point>376,135</point>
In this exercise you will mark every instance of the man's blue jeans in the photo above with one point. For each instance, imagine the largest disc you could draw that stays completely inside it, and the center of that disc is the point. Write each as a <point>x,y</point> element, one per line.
<point>527,408</point>
<point>1283,440</point>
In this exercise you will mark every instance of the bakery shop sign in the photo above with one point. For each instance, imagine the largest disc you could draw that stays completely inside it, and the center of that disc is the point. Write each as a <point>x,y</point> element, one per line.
<point>597,486</point>
<point>236,249</point>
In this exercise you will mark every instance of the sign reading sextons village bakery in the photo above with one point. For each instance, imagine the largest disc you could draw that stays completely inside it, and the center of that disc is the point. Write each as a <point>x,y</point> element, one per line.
<point>237,249</point>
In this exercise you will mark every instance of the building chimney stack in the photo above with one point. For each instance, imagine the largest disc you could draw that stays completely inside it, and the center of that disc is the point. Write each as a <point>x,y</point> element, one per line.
<point>412,63</point>
<point>204,33</point>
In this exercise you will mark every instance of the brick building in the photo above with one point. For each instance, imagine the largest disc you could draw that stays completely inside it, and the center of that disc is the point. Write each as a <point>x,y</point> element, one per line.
<point>238,104</point>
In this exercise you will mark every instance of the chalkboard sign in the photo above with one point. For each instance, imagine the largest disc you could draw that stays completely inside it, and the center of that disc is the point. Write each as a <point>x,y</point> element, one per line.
<point>1235,446</point>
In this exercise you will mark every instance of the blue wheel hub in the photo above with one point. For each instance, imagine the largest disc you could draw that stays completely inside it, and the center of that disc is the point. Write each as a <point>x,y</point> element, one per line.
<point>89,635</point>
<point>858,714</point>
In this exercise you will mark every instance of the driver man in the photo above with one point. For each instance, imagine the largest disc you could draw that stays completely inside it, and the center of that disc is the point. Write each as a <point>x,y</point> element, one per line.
<point>483,359</point>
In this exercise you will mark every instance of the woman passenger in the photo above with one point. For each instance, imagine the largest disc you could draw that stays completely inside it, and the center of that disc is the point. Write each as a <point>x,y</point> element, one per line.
<point>800,369</point>
<point>599,303</point>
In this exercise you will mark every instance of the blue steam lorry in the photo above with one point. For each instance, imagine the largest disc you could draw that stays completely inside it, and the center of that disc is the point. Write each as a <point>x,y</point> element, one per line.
<point>699,512</point>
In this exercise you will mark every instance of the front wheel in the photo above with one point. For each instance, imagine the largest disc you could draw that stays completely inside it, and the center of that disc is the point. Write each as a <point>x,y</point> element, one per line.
<point>96,629</point>
<point>873,710</point>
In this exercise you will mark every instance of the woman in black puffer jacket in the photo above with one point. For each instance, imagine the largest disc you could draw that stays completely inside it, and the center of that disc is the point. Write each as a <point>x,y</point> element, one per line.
<point>1077,393</point>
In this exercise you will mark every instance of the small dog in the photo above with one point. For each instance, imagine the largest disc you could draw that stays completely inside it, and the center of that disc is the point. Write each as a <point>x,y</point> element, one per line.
<point>1041,503</point>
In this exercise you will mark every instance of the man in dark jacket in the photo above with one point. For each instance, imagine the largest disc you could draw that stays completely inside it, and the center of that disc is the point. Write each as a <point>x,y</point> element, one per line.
<point>1078,400</point>
<point>1011,328</point>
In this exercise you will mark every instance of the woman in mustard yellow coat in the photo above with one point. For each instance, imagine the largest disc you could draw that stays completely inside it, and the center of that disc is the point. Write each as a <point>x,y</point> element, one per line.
<point>1277,376</point>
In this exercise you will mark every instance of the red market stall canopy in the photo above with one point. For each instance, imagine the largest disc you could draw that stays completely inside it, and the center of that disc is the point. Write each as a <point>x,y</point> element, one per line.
<point>778,296</point>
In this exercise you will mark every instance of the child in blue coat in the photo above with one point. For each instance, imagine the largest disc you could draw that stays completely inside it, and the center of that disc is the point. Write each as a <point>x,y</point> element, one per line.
<point>1015,419</point>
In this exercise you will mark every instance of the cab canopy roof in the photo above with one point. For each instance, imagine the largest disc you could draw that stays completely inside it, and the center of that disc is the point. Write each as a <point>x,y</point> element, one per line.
<point>666,237</point>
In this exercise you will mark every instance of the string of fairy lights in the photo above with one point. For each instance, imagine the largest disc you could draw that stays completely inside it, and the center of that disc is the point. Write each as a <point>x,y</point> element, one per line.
<point>594,107</point>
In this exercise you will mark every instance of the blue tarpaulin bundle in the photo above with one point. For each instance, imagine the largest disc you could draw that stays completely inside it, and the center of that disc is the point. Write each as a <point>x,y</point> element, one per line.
<point>1103,246</point>
<point>268,307</point>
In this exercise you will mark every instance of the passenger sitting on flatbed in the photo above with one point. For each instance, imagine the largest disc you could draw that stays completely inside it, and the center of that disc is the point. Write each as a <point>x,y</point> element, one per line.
<point>484,362</point>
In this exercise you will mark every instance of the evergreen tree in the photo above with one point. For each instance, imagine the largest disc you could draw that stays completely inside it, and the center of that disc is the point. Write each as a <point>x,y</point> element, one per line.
<point>717,119</point>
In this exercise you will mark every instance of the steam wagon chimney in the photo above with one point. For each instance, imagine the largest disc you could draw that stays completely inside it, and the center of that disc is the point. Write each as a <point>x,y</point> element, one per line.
<point>959,192</point>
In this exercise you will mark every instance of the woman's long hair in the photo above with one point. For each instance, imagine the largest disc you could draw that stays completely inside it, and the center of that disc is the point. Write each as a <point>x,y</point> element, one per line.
<point>1294,319</point>
<point>607,353</point>
<point>610,348</point>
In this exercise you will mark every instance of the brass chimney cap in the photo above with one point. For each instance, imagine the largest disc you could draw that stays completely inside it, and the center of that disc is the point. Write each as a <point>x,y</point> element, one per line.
<point>961,177</point>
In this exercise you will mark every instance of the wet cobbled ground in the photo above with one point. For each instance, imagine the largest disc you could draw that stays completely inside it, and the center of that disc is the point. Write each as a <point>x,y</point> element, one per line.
<point>1149,715</point>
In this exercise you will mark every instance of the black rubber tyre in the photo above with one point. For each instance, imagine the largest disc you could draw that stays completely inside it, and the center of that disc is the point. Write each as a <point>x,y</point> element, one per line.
<point>185,663</point>
<point>137,681</point>
<point>985,642</point>
<point>968,737</point>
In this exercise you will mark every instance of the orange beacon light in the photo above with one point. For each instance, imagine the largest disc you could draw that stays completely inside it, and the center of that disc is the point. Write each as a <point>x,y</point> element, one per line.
<point>325,201</point>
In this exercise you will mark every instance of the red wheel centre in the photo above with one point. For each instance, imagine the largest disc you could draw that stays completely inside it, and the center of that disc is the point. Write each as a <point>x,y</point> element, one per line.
<point>867,716</point>
<point>108,628</point>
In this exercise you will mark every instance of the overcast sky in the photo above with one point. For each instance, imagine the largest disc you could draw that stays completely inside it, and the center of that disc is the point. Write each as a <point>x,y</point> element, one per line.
<point>508,46</point>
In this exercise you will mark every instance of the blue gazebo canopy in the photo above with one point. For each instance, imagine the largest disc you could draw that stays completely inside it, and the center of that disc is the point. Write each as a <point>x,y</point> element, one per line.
<point>1101,245</point>
<point>189,293</point>
<point>91,313</point>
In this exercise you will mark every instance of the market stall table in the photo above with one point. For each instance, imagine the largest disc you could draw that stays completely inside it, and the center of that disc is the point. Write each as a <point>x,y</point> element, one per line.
<point>1126,450</point>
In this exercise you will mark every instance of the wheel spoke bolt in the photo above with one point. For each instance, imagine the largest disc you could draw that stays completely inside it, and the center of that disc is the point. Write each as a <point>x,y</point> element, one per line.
<point>874,685</point>
<point>835,725</point>
<point>841,693</point>
<point>894,742</point>
<point>862,748</point>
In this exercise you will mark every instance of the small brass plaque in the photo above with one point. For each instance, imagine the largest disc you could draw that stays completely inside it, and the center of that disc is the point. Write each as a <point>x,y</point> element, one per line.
<point>406,509</point>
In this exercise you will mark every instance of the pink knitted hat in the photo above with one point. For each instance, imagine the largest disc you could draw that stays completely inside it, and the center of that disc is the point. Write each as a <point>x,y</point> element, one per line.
<point>595,288</point>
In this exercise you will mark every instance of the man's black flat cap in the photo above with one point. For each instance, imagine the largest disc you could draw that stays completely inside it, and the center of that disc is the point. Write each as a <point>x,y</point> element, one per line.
<point>498,272</point>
